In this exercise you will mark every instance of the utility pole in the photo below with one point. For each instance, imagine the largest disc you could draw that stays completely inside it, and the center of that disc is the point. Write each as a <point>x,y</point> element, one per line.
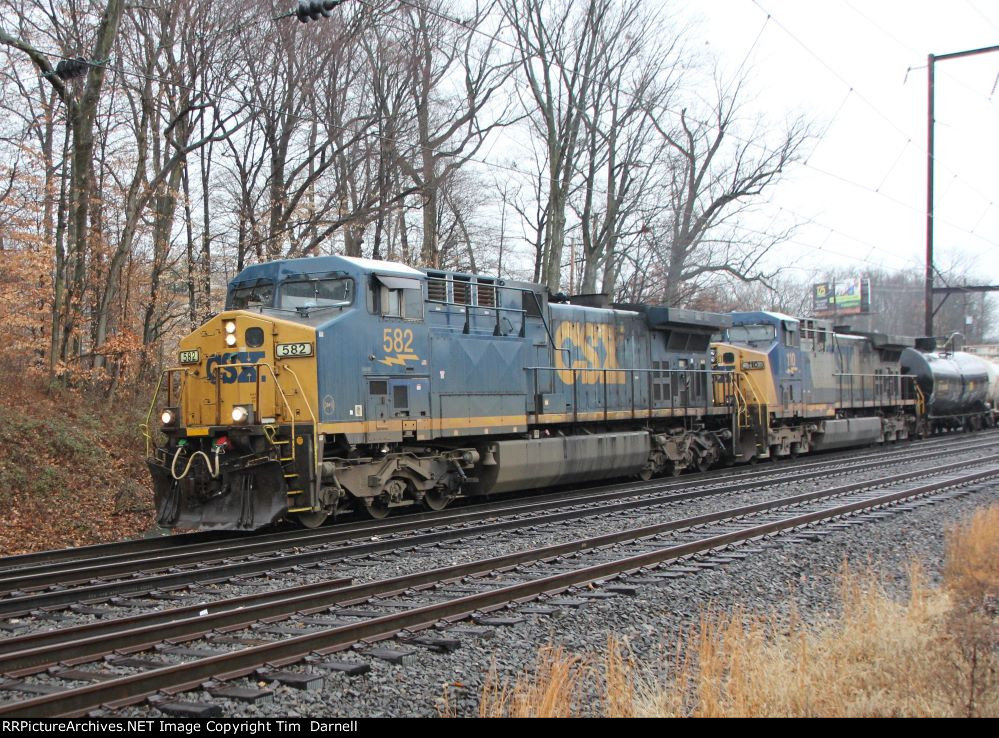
<point>932,59</point>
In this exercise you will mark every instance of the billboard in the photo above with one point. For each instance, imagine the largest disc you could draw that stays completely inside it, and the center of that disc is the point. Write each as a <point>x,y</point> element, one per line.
<point>841,297</point>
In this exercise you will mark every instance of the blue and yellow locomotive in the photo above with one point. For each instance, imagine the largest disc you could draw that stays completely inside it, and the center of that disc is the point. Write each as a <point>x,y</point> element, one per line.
<point>807,387</point>
<point>332,383</point>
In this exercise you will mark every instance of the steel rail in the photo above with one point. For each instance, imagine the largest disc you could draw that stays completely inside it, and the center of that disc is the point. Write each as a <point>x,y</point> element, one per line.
<point>131,689</point>
<point>37,577</point>
<point>22,652</point>
<point>213,572</point>
<point>12,564</point>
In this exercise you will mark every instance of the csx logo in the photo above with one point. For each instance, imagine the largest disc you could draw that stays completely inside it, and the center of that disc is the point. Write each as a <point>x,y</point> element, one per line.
<point>597,344</point>
<point>234,374</point>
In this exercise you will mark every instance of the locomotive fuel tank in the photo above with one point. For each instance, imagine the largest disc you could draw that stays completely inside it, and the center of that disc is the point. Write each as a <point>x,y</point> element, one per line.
<point>532,463</point>
<point>954,384</point>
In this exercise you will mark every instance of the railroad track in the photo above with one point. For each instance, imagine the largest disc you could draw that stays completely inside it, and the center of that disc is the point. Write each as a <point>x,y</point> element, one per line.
<point>219,540</point>
<point>124,660</point>
<point>85,585</point>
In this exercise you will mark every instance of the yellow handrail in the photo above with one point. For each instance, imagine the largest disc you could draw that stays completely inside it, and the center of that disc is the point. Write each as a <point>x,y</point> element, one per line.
<point>287,404</point>
<point>756,396</point>
<point>312,414</point>
<point>920,400</point>
<point>144,427</point>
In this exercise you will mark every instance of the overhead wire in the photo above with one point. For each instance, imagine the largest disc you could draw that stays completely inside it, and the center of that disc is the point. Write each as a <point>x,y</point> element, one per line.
<point>851,91</point>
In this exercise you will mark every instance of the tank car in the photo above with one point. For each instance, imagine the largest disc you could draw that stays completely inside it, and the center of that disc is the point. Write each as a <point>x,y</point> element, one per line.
<point>993,395</point>
<point>335,383</point>
<point>955,385</point>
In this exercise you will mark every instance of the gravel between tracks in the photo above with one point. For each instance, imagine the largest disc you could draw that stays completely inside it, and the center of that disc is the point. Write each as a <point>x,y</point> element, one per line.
<point>785,571</point>
<point>503,542</point>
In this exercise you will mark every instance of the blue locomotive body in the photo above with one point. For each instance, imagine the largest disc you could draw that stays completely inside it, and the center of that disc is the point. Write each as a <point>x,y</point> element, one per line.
<point>417,386</point>
<point>825,389</point>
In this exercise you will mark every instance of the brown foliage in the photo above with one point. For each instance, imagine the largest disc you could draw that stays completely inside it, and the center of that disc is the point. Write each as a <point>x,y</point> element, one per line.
<point>936,654</point>
<point>71,469</point>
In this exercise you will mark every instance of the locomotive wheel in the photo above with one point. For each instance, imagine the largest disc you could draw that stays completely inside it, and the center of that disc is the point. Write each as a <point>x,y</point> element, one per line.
<point>377,509</point>
<point>436,499</point>
<point>312,519</point>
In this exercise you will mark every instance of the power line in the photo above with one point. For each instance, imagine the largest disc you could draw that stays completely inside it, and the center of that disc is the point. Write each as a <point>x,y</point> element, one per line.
<point>851,87</point>
<point>483,162</point>
<point>491,164</point>
<point>982,15</point>
<point>910,50</point>
<point>769,18</point>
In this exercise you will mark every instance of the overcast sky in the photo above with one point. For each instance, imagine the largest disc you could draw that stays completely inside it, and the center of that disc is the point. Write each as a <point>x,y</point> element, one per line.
<point>864,184</point>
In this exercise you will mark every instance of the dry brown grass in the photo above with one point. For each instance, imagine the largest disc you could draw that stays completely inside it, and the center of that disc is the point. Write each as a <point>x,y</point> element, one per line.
<point>552,691</point>
<point>935,654</point>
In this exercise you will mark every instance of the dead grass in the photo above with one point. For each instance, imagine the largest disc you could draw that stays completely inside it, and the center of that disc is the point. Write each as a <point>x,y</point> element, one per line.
<point>934,654</point>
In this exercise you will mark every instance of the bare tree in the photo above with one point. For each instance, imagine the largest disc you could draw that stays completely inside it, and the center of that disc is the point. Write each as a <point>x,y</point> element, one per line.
<point>558,48</point>
<point>716,174</point>
<point>450,128</point>
<point>81,103</point>
<point>164,117</point>
<point>635,68</point>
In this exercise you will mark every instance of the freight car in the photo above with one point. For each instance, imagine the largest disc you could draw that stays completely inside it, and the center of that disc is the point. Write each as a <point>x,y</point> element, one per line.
<point>336,383</point>
<point>956,385</point>
<point>993,395</point>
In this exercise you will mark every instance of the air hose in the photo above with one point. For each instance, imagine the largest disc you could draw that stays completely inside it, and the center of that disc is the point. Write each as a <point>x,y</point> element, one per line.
<point>187,469</point>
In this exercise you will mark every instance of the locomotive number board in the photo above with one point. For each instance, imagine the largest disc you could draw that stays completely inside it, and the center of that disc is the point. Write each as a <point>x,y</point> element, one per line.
<point>292,350</point>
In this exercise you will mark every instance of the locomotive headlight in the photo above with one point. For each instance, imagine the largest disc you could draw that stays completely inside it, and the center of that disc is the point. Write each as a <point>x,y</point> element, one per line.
<point>230,326</point>
<point>230,340</point>
<point>241,414</point>
<point>169,416</point>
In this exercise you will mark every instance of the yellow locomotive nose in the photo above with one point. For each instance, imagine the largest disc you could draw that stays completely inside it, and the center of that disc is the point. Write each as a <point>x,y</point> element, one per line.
<point>238,371</point>
<point>239,425</point>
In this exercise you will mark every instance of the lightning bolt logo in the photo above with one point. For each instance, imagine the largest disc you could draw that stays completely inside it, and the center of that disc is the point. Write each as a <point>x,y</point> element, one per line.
<point>399,360</point>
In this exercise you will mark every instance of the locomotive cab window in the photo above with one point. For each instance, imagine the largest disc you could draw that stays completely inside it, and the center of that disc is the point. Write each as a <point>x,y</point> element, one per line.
<point>790,334</point>
<point>751,334</point>
<point>396,297</point>
<point>259,294</point>
<point>316,293</point>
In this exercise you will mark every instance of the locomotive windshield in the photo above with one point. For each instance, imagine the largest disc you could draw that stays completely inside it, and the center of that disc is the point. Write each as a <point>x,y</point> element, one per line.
<point>258,295</point>
<point>316,293</point>
<point>762,332</point>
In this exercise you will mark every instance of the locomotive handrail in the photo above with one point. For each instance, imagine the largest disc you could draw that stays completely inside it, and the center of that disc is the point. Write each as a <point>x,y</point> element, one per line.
<point>920,400</point>
<point>144,427</point>
<point>312,414</point>
<point>895,384</point>
<point>756,395</point>
<point>633,373</point>
<point>523,325</point>
<point>291,413</point>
